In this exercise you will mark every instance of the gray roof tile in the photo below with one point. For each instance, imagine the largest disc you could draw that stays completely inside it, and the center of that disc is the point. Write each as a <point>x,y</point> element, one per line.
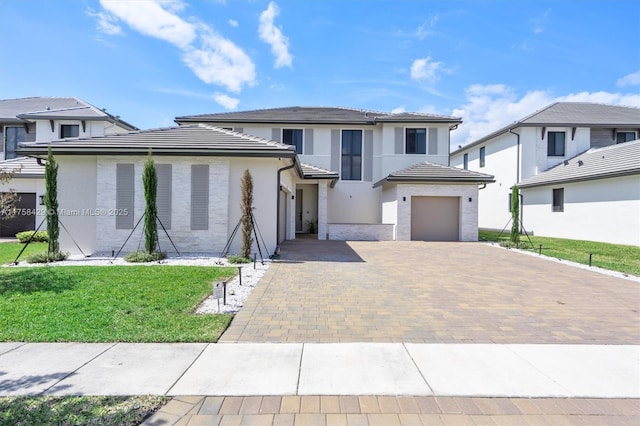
<point>24,167</point>
<point>313,172</point>
<point>599,163</point>
<point>430,172</point>
<point>315,115</point>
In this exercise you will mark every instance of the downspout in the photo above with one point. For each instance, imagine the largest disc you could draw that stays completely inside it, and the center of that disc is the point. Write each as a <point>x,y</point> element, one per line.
<point>518,175</point>
<point>277,250</point>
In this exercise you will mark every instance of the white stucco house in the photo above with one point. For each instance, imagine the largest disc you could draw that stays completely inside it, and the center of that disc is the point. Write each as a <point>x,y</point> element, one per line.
<point>543,153</point>
<point>357,174</point>
<point>40,119</point>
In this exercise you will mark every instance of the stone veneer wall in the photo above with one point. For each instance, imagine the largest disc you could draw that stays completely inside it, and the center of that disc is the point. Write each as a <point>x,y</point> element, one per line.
<point>360,232</point>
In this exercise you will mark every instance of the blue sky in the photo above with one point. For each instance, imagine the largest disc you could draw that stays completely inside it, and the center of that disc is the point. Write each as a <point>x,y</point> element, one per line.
<point>489,62</point>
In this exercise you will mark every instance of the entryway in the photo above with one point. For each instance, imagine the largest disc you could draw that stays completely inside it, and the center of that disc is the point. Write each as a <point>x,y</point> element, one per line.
<point>306,209</point>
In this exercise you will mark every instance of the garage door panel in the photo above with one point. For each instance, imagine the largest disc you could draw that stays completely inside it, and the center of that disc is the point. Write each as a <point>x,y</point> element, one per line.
<point>25,220</point>
<point>435,218</point>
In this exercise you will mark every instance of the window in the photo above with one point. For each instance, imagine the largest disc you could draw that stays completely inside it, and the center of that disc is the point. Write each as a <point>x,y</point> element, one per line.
<point>555,144</point>
<point>69,131</point>
<point>465,161</point>
<point>622,137</point>
<point>293,137</point>
<point>416,141</point>
<point>12,137</point>
<point>351,155</point>
<point>558,199</point>
<point>482,150</point>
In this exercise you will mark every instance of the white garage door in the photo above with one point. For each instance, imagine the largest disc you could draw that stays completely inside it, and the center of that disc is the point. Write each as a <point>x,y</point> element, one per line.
<point>435,218</point>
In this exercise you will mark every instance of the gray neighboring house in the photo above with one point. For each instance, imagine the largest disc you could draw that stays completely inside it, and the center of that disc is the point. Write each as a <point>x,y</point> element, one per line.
<point>38,119</point>
<point>550,139</point>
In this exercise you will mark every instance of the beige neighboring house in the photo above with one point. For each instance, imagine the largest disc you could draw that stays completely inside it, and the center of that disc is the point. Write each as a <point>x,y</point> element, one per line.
<point>39,119</point>
<point>353,174</point>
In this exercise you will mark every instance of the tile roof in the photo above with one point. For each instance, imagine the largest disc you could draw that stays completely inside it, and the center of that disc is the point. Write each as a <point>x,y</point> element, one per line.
<point>315,115</point>
<point>50,108</point>
<point>430,172</point>
<point>24,167</point>
<point>571,114</point>
<point>598,163</point>
<point>313,172</point>
<point>199,139</point>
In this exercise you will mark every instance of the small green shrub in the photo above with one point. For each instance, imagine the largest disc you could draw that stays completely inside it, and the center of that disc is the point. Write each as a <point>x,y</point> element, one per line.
<point>39,237</point>
<point>521,245</point>
<point>236,258</point>
<point>47,257</point>
<point>143,256</point>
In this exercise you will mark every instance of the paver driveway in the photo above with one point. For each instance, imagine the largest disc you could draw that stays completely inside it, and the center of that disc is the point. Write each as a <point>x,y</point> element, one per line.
<point>332,291</point>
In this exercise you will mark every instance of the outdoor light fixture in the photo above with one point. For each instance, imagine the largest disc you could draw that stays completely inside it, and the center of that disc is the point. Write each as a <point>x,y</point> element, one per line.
<point>470,199</point>
<point>404,198</point>
<point>41,199</point>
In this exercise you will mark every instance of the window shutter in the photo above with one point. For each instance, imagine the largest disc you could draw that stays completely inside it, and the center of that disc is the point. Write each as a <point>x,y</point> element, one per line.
<point>367,153</point>
<point>399,149</point>
<point>125,194</point>
<point>200,197</point>
<point>433,141</point>
<point>308,141</point>
<point>238,129</point>
<point>335,150</point>
<point>163,197</point>
<point>276,134</point>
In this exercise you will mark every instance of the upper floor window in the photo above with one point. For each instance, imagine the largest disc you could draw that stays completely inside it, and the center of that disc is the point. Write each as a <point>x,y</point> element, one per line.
<point>12,137</point>
<point>351,155</point>
<point>465,161</point>
<point>558,200</point>
<point>69,131</point>
<point>416,141</point>
<point>293,137</point>
<point>555,144</point>
<point>622,137</point>
<point>482,153</point>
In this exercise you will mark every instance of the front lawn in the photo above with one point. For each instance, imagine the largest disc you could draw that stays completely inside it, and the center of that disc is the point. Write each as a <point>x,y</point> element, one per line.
<point>151,303</point>
<point>615,257</point>
<point>9,251</point>
<point>78,410</point>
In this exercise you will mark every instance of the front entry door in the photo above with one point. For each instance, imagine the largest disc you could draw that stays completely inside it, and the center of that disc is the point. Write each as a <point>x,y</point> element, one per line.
<point>298,210</point>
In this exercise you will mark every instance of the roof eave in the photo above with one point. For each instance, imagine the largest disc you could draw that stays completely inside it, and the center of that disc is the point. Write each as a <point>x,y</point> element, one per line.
<point>397,179</point>
<point>621,173</point>
<point>60,150</point>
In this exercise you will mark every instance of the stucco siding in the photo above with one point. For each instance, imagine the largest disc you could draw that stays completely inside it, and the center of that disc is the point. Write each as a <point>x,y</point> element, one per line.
<point>354,202</point>
<point>606,210</point>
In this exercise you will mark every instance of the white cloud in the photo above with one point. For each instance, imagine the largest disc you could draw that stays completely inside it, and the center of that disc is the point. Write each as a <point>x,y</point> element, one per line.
<point>539,24</point>
<point>226,101</point>
<point>273,36</point>
<point>398,110</point>
<point>491,107</point>
<point>213,58</point>
<point>426,69</point>
<point>220,61</point>
<point>425,29</point>
<point>106,23</point>
<point>233,23</point>
<point>149,18</point>
<point>632,79</point>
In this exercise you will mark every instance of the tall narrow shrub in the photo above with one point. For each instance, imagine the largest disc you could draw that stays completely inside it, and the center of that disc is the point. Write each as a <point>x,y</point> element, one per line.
<point>150,184</point>
<point>51,202</point>
<point>246,206</point>
<point>515,216</point>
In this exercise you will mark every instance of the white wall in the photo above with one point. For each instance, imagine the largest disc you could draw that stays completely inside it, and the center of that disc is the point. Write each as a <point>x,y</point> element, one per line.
<point>92,128</point>
<point>606,210</point>
<point>354,202</point>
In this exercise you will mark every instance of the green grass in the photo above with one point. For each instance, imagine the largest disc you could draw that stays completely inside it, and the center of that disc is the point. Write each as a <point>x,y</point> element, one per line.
<point>615,257</point>
<point>78,410</point>
<point>108,304</point>
<point>9,251</point>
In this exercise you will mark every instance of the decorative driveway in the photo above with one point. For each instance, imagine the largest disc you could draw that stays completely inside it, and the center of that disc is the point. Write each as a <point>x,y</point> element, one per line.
<point>426,292</point>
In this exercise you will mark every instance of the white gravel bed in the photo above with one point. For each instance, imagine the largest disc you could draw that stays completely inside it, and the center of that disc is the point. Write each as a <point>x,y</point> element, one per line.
<point>236,293</point>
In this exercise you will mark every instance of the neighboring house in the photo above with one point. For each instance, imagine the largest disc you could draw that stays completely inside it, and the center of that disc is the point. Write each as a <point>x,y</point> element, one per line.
<point>593,196</point>
<point>539,142</point>
<point>358,174</point>
<point>40,119</point>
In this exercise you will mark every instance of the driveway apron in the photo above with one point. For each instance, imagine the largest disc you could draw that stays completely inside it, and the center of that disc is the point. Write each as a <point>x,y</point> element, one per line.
<point>433,292</point>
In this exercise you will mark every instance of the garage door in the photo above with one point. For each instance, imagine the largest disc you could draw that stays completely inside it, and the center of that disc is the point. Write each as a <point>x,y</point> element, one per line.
<point>435,218</point>
<point>25,220</point>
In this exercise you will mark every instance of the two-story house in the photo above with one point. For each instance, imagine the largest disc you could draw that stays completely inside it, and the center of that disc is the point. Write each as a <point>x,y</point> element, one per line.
<point>356,174</point>
<point>41,119</point>
<point>551,154</point>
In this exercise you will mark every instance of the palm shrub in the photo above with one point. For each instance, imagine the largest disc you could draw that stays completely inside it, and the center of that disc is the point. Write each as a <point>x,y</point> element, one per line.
<point>246,218</point>
<point>150,184</point>
<point>51,203</point>
<point>515,216</point>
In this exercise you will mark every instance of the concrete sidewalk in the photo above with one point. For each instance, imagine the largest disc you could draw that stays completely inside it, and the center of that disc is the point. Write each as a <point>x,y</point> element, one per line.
<point>464,370</point>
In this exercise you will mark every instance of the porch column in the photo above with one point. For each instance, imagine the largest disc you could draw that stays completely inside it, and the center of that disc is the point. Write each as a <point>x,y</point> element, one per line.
<point>322,209</point>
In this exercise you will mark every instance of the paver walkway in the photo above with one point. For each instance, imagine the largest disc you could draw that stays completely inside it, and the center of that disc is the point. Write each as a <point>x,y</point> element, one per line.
<point>334,291</point>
